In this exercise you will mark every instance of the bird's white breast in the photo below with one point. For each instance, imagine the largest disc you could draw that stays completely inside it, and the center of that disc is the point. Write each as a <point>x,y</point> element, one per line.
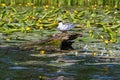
<point>61,26</point>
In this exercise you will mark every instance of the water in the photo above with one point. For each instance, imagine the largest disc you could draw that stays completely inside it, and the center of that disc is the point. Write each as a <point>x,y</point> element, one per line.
<point>79,64</point>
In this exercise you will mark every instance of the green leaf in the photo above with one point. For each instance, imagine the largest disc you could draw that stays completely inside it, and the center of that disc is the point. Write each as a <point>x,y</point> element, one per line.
<point>88,24</point>
<point>115,27</point>
<point>111,34</point>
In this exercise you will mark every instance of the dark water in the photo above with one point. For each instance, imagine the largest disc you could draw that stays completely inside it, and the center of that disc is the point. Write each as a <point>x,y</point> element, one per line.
<point>26,65</point>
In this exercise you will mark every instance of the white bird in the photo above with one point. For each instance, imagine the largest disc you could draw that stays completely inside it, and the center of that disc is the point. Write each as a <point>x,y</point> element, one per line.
<point>65,27</point>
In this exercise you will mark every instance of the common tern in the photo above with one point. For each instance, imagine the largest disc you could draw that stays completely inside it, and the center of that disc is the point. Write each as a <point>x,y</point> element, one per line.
<point>64,27</point>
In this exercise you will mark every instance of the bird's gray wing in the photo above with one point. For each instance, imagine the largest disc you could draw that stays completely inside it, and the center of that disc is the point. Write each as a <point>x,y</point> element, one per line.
<point>70,26</point>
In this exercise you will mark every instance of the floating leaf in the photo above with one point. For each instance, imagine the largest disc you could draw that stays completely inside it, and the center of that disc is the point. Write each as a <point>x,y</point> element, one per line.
<point>88,24</point>
<point>111,34</point>
<point>115,27</point>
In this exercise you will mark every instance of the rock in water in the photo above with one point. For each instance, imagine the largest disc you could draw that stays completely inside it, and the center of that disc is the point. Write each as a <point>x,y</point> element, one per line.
<point>66,44</point>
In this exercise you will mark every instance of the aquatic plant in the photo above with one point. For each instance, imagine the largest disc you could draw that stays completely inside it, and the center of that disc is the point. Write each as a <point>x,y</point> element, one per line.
<point>30,17</point>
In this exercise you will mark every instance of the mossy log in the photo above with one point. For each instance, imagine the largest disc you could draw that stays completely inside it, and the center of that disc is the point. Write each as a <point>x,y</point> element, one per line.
<point>61,41</point>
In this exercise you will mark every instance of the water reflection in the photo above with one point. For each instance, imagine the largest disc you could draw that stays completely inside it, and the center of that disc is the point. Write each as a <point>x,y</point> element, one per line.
<point>75,65</point>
